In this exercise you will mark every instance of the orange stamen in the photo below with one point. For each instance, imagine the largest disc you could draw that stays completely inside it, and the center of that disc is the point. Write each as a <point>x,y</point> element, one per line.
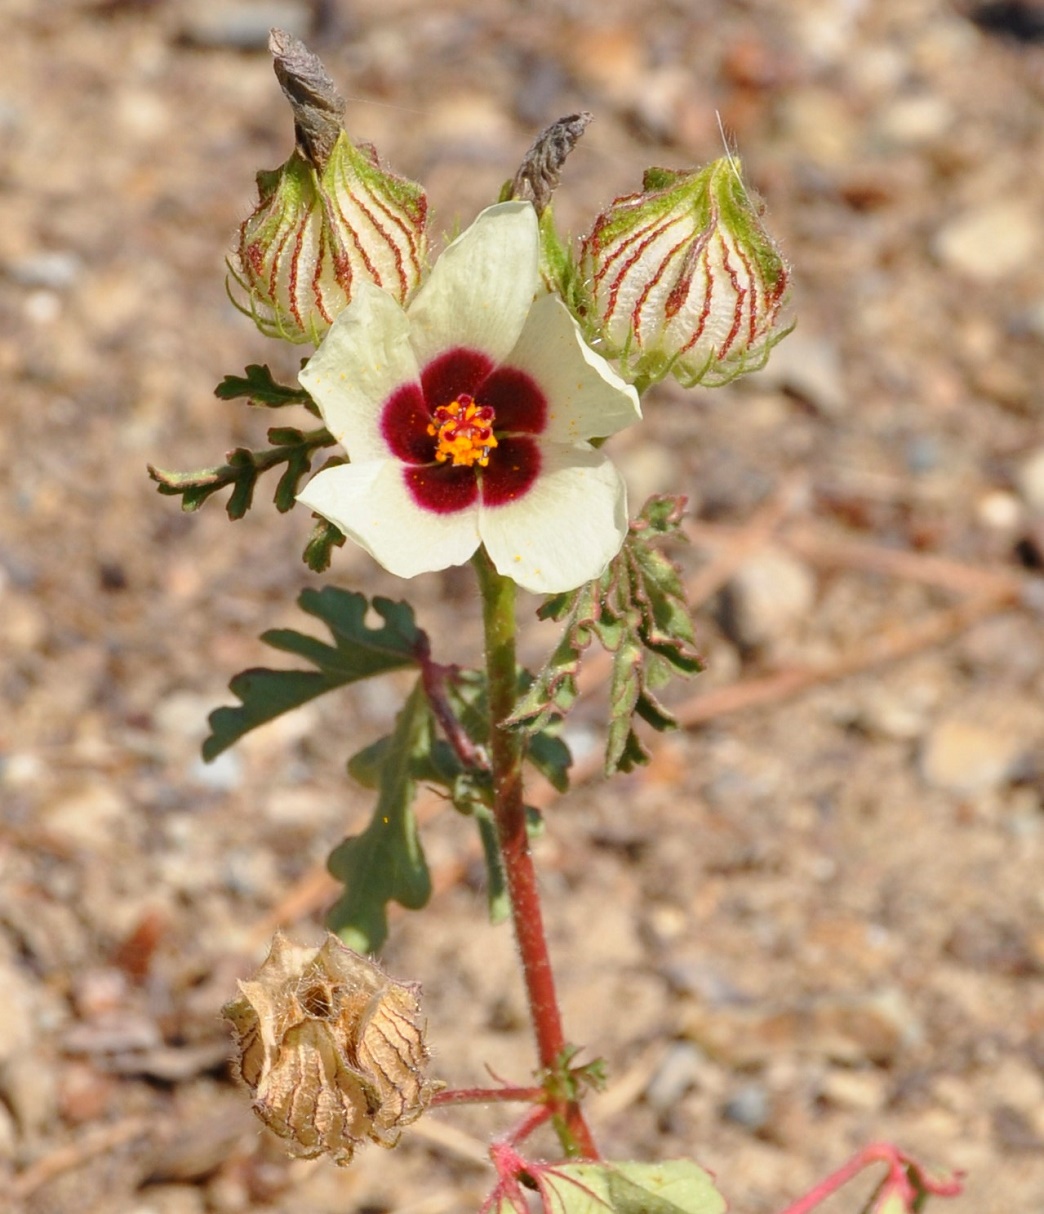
<point>464,431</point>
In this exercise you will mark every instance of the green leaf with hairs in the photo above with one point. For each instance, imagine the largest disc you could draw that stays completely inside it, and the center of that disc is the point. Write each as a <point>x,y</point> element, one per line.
<point>359,651</point>
<point>386,862</point>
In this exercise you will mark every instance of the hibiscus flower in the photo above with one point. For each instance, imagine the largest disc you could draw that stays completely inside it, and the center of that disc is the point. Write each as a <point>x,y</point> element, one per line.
<point>466,418</point>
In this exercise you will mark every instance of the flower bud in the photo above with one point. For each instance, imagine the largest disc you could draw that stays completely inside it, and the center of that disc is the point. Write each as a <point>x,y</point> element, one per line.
<point>683,279</point>
<point>331,1048</point>
<point>327,218</point>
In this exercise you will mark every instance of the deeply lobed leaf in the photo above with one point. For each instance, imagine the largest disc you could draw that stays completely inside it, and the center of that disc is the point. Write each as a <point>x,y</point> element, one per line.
<point>358,652</point>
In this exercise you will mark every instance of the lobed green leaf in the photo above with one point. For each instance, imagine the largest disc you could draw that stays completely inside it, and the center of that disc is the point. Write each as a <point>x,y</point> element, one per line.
<point>386,862</point>
<point>358,652</point>
<point>259,388</point>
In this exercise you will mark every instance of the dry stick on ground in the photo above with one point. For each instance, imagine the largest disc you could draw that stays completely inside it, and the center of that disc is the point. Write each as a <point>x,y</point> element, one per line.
<point>76,1154</point>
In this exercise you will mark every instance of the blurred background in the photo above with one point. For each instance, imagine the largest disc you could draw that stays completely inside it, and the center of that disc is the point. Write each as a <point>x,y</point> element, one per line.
<point>817,918</point>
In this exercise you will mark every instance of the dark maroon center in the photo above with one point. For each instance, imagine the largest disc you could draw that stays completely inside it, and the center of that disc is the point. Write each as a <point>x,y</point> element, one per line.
<point>520,413</point>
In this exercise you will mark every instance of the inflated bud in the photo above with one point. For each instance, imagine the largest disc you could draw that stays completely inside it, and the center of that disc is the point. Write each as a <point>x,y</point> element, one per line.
<point>682,279</point>
<point>327,218</point>
<point>331,1048</point>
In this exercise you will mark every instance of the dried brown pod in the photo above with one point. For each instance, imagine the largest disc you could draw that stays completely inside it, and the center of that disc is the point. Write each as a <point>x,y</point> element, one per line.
<point>331,1048</point>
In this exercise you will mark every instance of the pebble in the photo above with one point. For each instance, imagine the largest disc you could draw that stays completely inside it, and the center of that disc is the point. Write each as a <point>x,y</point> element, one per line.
<point>678,1072</point>
<point>862,1091</point>
<point>749,1106</point>
<point>243,27</point>
<point>1001,511</point>
<point>909,121</point>
<point>886,713</point>
<point>768,595</point>
<point>851,1030</point>
<point>50,270</point>
<point>810,367</point>
<point>30,1091</point>
<point>968,756</point>
<point>87,817</point>
<point>992,241</point>
<point>171,1199</point>
<point>1029,480</point>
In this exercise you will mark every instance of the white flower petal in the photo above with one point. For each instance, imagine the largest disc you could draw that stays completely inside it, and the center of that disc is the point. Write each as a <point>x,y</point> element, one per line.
<point>364,357</point>
<point>585,396</point>
<point>480,289</point>
<point>566,528</point>
<point>371,505</point>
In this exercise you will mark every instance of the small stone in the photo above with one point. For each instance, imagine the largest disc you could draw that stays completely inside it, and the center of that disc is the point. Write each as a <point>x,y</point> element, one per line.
<point>767,596</point>
<point>677,1073</point>
<point>872,1027</point>
<point>909,121</point>
<point>808,366</point>
<point>886,713</point>
<point>992,241</point>
<point>1015,1133</point>
<point>969,758</point>
<point>28,1086</point>
<point>862,1091</point>
<point>1029,480</point>
<point>88,817</point>
<point>50,270</point>
<point>1001,511</point>
<point>749,1107</point>
<point>243,26</point>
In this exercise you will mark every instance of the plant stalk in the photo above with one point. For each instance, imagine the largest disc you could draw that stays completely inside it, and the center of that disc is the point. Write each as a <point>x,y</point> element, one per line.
<point>506,750</point>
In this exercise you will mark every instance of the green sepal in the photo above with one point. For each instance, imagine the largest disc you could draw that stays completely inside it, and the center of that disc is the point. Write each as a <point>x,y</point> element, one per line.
<point>386,862</point>
<point>359,652</point>
<point>638,613</point>
<point>258,387</point>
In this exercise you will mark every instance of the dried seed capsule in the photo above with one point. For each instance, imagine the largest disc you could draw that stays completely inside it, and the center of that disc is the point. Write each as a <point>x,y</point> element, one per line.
<point>331,1048</point>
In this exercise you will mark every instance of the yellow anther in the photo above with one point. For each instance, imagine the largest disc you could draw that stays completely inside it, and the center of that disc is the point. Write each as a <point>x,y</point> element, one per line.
<point>464,431</point>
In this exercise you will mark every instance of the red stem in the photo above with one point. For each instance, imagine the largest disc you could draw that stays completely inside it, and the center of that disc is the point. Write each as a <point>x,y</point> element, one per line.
<point>876,1152</point>
<point>498,594</point>
<point>488,1095</point>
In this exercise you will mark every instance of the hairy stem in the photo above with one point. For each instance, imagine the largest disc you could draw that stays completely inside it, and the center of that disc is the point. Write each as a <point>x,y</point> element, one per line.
<point>498,610</point>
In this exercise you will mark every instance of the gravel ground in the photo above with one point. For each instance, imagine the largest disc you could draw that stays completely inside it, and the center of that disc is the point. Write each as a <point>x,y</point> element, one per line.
<point>817,919</point>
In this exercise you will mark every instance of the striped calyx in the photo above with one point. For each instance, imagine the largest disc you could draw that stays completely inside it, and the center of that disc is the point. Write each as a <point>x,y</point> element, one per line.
<point>315,233</point>
<point>683,280</point>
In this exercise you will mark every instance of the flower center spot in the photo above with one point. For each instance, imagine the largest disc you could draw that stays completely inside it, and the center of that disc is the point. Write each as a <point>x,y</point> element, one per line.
<point>464,432</point>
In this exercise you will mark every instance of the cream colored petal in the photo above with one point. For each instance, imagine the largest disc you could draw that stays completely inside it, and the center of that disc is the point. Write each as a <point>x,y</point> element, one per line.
<point>566,528</point>
<point>480,290</point>
<point>585,396</point>
<point>372,505</point>
<point>363,359</point>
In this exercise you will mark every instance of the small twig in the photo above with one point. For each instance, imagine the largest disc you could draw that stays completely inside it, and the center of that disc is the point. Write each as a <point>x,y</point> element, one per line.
<point>76,1154</point>
<point>820,548</point>
<point>488,1095</point>
<point>755,693</point>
